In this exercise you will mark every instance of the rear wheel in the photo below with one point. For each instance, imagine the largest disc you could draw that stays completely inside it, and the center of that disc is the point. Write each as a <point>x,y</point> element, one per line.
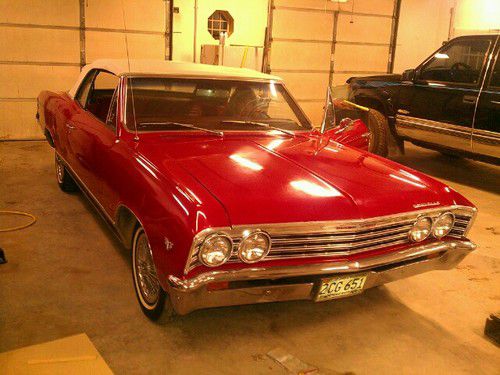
<point>148,290</point>
<point>64,179</point>
<point>378,126</point>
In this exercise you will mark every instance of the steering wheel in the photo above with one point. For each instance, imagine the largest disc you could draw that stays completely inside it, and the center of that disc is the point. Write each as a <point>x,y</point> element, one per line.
<point>457,74</point>
<point>256,108</point>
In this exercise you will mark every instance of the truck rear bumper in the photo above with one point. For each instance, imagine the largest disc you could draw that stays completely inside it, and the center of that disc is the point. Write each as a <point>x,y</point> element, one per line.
<point>273,284</point>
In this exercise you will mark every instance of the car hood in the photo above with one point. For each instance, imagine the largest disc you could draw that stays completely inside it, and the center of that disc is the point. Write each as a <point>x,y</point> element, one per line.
<point>380,77</point>
<point>270,179</point>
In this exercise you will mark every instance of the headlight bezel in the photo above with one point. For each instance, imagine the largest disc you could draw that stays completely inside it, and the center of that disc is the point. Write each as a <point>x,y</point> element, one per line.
<point>436,222</point>
<point>211,237</point>
<point>246,237</point>
<point>420,218</point>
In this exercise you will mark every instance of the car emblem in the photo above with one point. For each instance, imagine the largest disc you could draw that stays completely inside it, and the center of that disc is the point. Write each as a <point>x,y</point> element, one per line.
<point>168,244</point>
<point>426,204</point>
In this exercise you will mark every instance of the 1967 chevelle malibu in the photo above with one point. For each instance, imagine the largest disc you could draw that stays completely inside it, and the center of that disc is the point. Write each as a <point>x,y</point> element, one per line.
<point>225,193</point>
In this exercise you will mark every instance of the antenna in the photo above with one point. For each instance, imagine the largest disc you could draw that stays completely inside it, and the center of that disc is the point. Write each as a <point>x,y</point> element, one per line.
<point>136,137</point>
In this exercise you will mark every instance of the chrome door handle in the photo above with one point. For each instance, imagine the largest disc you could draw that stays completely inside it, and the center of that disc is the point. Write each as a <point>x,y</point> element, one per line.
<point>469,99</point>
<point>69,126</point>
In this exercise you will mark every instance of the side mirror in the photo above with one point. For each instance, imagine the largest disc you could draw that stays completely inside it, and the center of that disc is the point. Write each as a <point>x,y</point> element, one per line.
<point>409,75</point>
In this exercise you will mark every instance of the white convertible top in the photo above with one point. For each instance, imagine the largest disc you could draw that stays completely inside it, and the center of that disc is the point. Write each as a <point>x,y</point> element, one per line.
<point>168,68</point>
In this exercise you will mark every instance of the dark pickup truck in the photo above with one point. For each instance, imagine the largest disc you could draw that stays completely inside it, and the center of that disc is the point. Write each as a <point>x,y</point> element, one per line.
<point>450,102</point>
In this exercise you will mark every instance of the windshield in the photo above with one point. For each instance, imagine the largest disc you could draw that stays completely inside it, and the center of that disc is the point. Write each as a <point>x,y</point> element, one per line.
<point>162,104</point>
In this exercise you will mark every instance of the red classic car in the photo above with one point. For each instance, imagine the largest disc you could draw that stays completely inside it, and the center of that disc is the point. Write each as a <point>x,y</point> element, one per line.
<point>225,193</point>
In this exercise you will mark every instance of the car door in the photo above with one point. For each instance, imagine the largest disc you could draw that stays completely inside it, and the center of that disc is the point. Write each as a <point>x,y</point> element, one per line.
<point>72,142</point>
<point>437,107</point>
<point>93,136</point>
<point>486,132</point>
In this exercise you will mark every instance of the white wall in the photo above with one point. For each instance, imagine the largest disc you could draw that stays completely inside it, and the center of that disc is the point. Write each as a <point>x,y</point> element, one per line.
<point>250,20</point>
<point>476,16</point>
<point>40,48</point>
<point>425,24</point>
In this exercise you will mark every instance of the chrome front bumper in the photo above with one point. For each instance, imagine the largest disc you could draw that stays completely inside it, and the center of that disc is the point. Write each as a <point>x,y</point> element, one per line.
<point>300,282</point>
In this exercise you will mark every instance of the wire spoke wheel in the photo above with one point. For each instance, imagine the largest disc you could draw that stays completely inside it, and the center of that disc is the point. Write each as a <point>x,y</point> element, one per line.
<point>148,289</point>
<point>59,170</point>
<point>64,179</point>
<point>144,271</point>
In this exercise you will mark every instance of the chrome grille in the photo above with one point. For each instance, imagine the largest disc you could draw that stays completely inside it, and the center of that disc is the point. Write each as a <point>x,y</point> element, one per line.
<point>461,225</point>
<point>343,238</point>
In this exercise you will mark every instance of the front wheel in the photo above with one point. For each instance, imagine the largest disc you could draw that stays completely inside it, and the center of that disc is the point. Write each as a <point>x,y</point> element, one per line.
<point>148,290</point>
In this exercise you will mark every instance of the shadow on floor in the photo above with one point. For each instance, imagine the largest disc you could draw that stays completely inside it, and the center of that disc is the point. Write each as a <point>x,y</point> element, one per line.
<point>467,172</point>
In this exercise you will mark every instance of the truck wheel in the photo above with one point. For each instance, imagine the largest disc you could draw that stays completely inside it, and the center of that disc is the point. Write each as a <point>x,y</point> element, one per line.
<point>64,179</point>
<point>150,295</point>
<point>378,126</point>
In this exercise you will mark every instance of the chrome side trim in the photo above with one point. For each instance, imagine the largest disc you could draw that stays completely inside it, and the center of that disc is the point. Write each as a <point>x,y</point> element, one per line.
<point>277,230</point>
<point>409,121</point>
<point>451,136</point>
<point>487,134</point>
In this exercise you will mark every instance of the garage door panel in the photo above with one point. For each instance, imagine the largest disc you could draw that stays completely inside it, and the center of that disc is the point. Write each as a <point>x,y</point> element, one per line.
<point>361,58</point>
<point>112,45</point>
<point>311,4</point>
<point>18,44</point>
<point>341,78</point>
<point>313,110</point>
<point>45,12</point>
<point>302,25</point>
<point>306,85</point>
<point>26,81</point>
<point>364,29</point>
<point>310,56</point>
<point>138,15</point>
<point>383,7</point>
<point>17,120</point>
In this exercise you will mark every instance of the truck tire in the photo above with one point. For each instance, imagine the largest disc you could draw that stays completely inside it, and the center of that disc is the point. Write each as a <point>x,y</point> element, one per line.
<point>378,126</point>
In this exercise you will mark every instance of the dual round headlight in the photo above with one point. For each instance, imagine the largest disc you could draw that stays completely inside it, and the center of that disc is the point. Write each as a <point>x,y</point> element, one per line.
<point>216,249</point>
<point>425,226</point>
<point>254,247</point>
<point>443,225</point>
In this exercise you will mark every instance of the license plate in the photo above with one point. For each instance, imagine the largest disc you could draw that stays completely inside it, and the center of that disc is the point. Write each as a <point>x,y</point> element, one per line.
<point>339,287</point>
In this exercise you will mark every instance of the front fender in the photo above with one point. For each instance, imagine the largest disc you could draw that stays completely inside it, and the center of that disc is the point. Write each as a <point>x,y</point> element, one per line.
<point>171,208</point>
<point>356,134</point>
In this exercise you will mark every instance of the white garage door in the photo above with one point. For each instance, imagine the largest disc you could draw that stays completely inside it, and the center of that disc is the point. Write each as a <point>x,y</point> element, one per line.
<point>315,43</point>
<point>43,44</point>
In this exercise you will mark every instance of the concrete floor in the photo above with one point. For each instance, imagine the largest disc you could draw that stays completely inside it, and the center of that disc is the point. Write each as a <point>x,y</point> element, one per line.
<point>67,274</point>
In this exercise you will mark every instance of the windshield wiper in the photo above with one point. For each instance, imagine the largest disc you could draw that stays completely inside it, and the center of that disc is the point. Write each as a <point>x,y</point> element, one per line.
<point>190,126</point>
<point>256,123</point>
